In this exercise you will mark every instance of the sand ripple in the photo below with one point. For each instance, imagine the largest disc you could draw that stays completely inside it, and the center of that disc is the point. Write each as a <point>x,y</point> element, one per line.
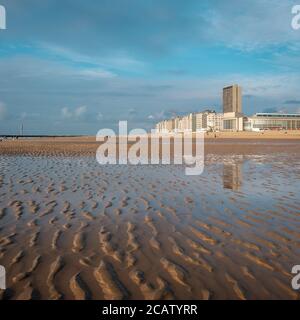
<point>70,229</point>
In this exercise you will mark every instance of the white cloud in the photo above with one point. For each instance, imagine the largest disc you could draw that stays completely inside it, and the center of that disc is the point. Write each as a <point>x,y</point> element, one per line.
<point>3,111</point>
<point>158,115</point>
<point>99,116</point>
<point>66,113</point>
<point>249,25</point>
<point>76,113</point>
<point>80,111</point>
<point>94,74</point>
<point>39,68</point>
<point>121,61</point>
<point>132,111</point>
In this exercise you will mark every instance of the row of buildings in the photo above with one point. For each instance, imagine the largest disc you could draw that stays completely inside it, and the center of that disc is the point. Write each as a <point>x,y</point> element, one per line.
<point>201,121</point>
<point>232,118</point>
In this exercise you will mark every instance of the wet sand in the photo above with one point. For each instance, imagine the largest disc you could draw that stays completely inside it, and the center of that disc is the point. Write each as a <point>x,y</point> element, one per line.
<point>73,229</point>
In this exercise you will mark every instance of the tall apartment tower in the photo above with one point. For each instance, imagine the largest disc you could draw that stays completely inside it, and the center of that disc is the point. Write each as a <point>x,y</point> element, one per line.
<point>232,99</point>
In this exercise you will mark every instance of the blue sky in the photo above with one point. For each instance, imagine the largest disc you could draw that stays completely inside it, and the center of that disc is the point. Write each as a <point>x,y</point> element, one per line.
<point>74,67</point>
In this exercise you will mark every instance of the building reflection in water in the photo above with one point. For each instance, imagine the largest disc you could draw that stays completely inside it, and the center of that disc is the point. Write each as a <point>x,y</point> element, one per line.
<point>232,176</point>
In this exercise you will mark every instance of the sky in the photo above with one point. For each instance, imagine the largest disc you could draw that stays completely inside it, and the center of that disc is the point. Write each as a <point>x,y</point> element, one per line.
<point>78,66</point>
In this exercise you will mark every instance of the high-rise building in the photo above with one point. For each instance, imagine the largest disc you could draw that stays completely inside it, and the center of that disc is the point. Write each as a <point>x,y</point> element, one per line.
<point>232,108</point>
<point>232,99</point>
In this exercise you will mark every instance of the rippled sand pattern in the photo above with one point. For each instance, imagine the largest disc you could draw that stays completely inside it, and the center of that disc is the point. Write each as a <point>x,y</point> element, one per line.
<point>72,229</point>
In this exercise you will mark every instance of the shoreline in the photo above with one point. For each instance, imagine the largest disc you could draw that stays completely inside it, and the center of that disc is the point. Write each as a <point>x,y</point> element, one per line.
<point>87,146</point>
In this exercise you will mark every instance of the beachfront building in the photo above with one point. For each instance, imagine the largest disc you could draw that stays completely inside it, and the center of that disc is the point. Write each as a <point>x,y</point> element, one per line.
<point>232,99</point>
<point>165,126</point>
<point>272,121</point>
<point>233,122</point>
<point>207,120</point>
<point>176,124</point>
<point>215,121</point>
<point>233,119</point>
<point>187,123</point>
<point>179,124</point>
<point>201,121</point>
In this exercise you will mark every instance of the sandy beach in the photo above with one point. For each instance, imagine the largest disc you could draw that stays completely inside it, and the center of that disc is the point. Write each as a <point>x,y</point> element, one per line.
<point>215,143</point>
<point>73,229</point>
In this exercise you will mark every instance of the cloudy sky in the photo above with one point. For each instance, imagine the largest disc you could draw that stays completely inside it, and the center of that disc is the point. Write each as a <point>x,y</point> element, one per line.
<point>76,66</point>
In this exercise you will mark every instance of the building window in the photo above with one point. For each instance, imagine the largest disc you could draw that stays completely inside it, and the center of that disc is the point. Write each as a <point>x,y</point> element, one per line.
<point>230,124</point>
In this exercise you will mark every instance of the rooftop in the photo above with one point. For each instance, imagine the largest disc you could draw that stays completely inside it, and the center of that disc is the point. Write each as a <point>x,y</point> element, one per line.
<point>278,115</point>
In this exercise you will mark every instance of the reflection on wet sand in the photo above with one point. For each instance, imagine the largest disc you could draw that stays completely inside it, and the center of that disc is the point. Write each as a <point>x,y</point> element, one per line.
<point>71,229</point>
<point>232,176</point>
